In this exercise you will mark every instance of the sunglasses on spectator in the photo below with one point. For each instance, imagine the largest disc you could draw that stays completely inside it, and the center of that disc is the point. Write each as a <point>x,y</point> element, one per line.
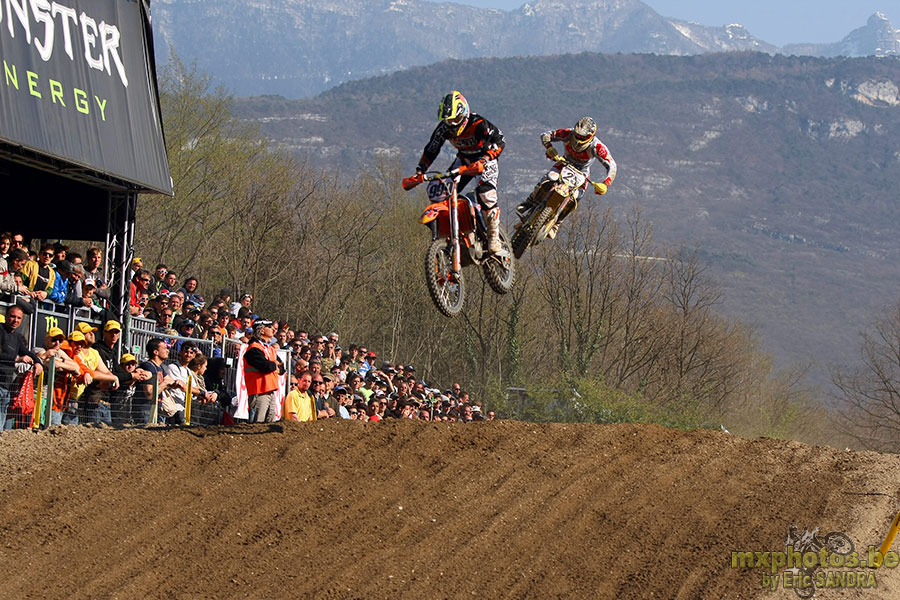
<point>47,254</point>
<point>145,280</point>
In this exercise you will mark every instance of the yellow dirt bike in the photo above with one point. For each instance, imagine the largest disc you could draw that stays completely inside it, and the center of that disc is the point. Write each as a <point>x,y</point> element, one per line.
<point>553,200</point>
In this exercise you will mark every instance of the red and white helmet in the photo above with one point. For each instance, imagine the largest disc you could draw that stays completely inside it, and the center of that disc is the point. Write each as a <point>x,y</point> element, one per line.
<point>583,134</point>
<point>454,111</point>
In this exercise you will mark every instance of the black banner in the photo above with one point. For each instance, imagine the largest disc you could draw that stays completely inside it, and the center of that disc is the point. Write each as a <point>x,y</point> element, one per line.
<point>77,83</point>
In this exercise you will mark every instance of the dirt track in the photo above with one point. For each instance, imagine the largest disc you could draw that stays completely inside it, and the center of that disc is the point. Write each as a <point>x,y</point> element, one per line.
<point>405,509</point>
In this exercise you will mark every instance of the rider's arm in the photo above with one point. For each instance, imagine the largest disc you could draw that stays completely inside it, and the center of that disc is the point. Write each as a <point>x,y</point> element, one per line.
<point>494,140</point>
<point>606,159</point>
<point>432,148</point>
<point>556,135</point>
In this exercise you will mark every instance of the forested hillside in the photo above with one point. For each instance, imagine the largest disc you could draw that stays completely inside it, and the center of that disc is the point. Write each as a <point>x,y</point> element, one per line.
<point>781,171</point>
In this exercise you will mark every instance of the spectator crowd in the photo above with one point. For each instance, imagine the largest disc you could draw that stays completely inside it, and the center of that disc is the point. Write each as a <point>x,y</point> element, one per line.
<point>187,355</point>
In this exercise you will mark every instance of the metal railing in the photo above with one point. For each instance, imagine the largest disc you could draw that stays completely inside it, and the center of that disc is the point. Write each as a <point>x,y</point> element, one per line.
<point>104,405</point>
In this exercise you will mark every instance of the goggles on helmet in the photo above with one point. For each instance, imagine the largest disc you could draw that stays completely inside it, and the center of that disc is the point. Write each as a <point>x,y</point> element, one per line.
<point>454,111</point>
<point>457,120</point>
<point>584,132</point>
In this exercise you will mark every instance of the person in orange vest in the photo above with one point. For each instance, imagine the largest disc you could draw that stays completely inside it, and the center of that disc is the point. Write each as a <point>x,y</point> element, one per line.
<point>261,370</point>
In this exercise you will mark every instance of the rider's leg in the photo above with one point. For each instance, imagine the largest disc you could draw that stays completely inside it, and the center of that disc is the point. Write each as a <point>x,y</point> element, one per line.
<point>487,197</point>
<point>523,209</point>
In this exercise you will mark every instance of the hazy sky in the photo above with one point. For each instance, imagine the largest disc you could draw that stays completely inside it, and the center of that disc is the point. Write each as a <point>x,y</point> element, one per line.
<point>778,22</point>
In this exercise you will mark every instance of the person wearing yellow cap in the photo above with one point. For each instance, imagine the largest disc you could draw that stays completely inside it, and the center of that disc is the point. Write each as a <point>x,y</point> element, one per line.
<point>93,406</point>
<point>66,370</point>
<point>68,409</point>
<point>121,400</point>
<point>118,400</point>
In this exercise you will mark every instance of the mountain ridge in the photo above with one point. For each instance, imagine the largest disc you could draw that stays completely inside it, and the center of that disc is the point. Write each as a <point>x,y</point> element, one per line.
<point>297,48</point>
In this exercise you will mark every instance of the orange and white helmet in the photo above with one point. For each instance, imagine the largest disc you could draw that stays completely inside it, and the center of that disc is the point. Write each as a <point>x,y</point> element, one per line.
<point>454,111</point>
<point>583,134</point>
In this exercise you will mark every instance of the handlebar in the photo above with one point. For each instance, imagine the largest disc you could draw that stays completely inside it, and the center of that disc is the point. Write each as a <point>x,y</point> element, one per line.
<point>409,183</point>
<point>561,159</point>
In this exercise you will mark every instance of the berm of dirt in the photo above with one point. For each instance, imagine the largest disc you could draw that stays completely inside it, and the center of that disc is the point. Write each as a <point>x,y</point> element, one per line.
<point>404,509</point>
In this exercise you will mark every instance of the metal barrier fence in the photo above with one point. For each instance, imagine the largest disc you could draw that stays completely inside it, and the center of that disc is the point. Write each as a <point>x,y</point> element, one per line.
<point>58,399</point>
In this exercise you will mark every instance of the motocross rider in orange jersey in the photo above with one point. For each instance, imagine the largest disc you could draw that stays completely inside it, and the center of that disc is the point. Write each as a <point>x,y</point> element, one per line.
<point>478,142</point>
<point>581,148</point>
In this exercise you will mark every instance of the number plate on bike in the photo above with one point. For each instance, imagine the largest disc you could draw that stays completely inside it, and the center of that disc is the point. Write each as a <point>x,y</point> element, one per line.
<point>438,190</point>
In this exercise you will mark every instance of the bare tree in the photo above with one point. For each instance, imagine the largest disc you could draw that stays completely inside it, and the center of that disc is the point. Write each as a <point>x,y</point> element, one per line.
<point>870,393</point>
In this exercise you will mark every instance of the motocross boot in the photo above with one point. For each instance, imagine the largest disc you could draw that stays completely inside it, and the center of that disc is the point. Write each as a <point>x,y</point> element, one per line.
<point>524,209</point>
<point>492,227</point>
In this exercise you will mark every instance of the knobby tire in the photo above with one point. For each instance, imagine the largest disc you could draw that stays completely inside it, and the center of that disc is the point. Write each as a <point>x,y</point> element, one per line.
<point>501,272</point>
<point>447,296</point>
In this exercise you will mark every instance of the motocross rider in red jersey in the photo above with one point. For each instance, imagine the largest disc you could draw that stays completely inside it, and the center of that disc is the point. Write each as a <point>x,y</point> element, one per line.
<point>478,142</point>
<point>581,148</point>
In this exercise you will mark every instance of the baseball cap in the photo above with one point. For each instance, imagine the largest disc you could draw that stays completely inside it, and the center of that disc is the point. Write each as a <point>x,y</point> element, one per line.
<point>370,354</point>
<point>340,390</point>
<point>85,328</point>
<point>89,281</point>
<point>137,260</point>
<point>262,323</point>
<point>76,336</point>
<point>54,332</point>
<point>112,326</point>
<point>188,323</point>
<point>127,358</point>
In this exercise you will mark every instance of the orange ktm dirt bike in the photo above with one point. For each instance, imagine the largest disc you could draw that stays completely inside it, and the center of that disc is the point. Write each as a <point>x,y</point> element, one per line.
<point>554,199</point>
<point>458,239</point>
